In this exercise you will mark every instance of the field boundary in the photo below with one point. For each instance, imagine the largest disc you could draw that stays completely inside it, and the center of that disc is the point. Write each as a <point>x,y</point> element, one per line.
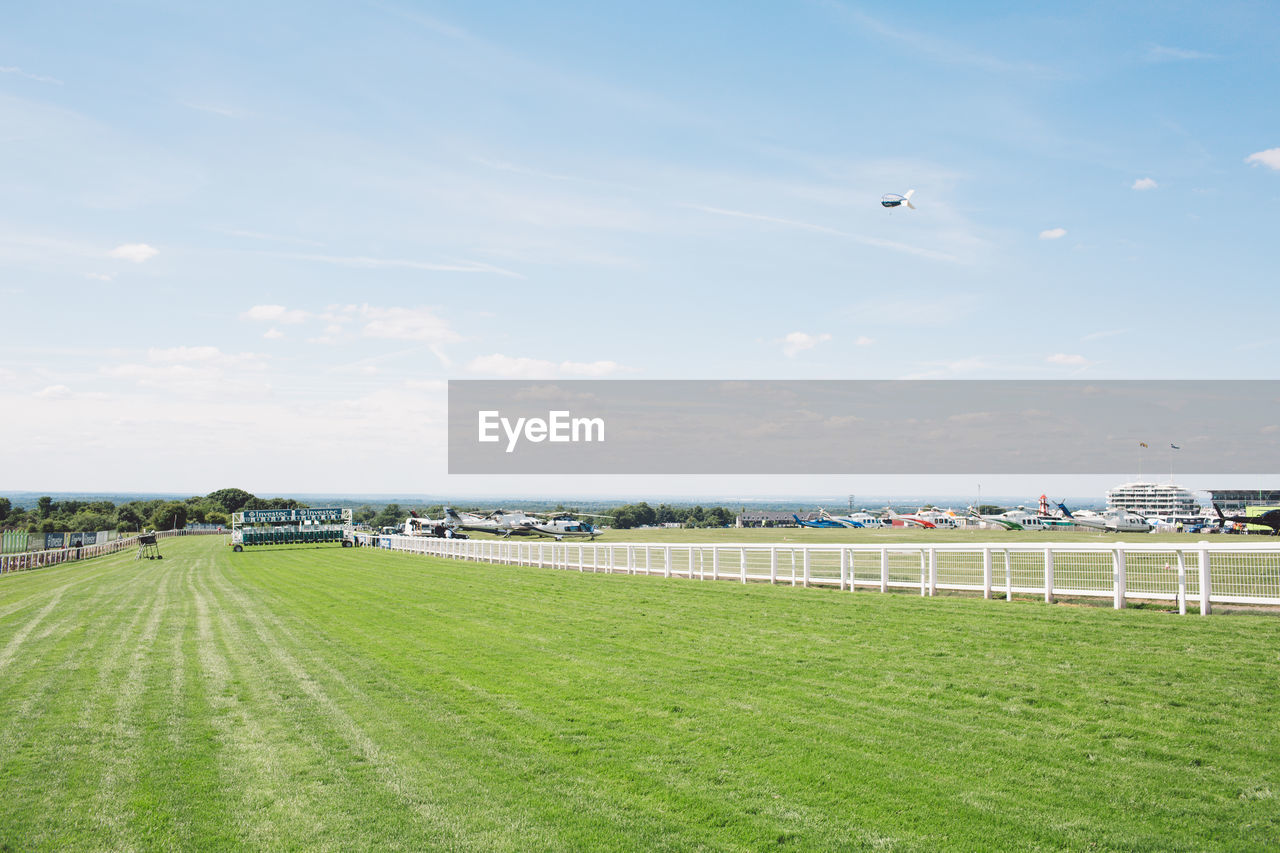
<point>1204,573</point>
<point>29,560</point>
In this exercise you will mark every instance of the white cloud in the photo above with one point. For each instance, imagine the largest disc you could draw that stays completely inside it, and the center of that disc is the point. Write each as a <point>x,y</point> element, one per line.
<point>864,341</point>
<point>1053,233</point>
<point>39,78</point>
<point>194,371</point>
<point>1145,184</point>
<point>409,324</point>
<point>275,314</point>
<point>1269,158</point>
<point>399,263</point>
<point>273,334</point>
<point>877,242</point>
<point>136,252</point>
<point>1069,360</point>
<point>509,367</point>
<point>99,276</point>
<point>1161,53</point>
<point>183,354</point>
<point>797,342</point>
<point>54,392</point>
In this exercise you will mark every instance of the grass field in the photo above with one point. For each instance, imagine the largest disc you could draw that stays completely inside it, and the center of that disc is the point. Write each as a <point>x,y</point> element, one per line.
<point>308,698</point>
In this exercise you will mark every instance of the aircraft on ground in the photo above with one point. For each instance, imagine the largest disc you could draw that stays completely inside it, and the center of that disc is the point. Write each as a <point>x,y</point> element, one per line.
<point>1116,521</point>
<point>567,524</point>
<point>501,522</point>
<point>907,520</point>
<point>1270,518</point>
<point>823,520</point>
<point>519,523</point>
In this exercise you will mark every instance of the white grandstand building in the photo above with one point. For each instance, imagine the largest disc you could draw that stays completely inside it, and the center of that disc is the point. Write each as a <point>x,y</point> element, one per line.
<point>1163,500</point>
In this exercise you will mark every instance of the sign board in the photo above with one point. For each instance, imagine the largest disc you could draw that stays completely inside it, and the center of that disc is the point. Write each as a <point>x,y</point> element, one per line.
<point>284,516</point>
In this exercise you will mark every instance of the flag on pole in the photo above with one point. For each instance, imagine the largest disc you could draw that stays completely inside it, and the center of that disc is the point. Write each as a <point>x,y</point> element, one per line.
<point>1174,447</point>
<point>1142,444</point>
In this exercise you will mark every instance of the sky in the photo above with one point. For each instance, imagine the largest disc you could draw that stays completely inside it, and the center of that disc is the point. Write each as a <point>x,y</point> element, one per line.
<point>248,244</point>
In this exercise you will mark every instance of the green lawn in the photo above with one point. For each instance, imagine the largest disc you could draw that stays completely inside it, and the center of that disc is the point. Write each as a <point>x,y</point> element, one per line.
<point>330,698</point>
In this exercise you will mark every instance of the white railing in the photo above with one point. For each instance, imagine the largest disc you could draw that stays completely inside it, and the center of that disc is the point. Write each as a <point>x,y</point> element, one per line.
<point>1202,572</point>
<point>56,556</point>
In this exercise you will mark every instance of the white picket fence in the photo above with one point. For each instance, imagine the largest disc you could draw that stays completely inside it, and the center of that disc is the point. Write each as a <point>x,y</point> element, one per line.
<point>1231,573</point>
<point>56,556</point>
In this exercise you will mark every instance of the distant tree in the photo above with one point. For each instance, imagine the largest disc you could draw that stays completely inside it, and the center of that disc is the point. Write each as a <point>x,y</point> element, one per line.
<point>718,516</point>
<point>128,518</point>
<point>44,506</point>
<point>5,507</point>
<point>231,500</point>
<point>213,516</point>
<point>168,516</point>
<point>86,520</point>
<point>391,515</point>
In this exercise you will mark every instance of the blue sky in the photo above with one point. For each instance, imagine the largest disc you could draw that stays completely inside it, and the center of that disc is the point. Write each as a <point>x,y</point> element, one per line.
<point>235,239</point>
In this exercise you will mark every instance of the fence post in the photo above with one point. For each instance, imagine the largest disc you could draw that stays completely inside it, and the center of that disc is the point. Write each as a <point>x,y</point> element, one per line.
<point>842,568</point>
<point>647,566</point>
<point>715,563</point>
<point>884,569</point>
<point>933,571</point>
<point>1008,576</point>
<point>806,567</point>
<point>631,559</point>
<point>773,564</point>
<point>1117,570</point>
<point>924,573</point>
<point>1048,576</point>
<point>1182,584</point>
<point>742,564</point>
<point>1205,585</point>
<point>986,573</point>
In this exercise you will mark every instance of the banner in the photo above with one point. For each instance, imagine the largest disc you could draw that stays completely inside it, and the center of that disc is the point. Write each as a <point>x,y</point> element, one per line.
<point>282,516</point>
<point>54,540</point>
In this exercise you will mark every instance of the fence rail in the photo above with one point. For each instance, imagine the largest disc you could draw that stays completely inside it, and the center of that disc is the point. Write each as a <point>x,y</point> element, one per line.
<point>1201,572</point>
<point>56,556</point>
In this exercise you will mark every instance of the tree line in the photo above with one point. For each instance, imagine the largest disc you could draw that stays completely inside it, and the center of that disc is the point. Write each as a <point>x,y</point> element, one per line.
<point>51,516</point>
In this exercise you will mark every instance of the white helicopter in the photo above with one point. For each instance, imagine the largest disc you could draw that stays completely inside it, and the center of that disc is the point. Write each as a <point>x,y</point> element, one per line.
<point>499,521</point>
<point>568,524</point>
<point>518,523</point>
<point>892,200</point>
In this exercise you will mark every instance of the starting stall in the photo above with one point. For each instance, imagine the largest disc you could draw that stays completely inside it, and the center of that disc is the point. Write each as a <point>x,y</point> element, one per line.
<point>317,526</point>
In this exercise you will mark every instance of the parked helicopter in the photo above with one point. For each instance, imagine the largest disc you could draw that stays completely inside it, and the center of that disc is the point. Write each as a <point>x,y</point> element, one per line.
<point>1270,518</point>
<point>567,524</point>
<point>1117,521</point>
<point>518,523</point>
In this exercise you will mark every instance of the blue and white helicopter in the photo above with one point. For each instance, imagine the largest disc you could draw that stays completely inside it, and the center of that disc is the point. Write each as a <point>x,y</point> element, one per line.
<point>892,200</point>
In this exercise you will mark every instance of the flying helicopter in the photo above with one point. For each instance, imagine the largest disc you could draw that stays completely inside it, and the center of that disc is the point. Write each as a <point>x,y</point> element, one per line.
<point>892,200</point>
